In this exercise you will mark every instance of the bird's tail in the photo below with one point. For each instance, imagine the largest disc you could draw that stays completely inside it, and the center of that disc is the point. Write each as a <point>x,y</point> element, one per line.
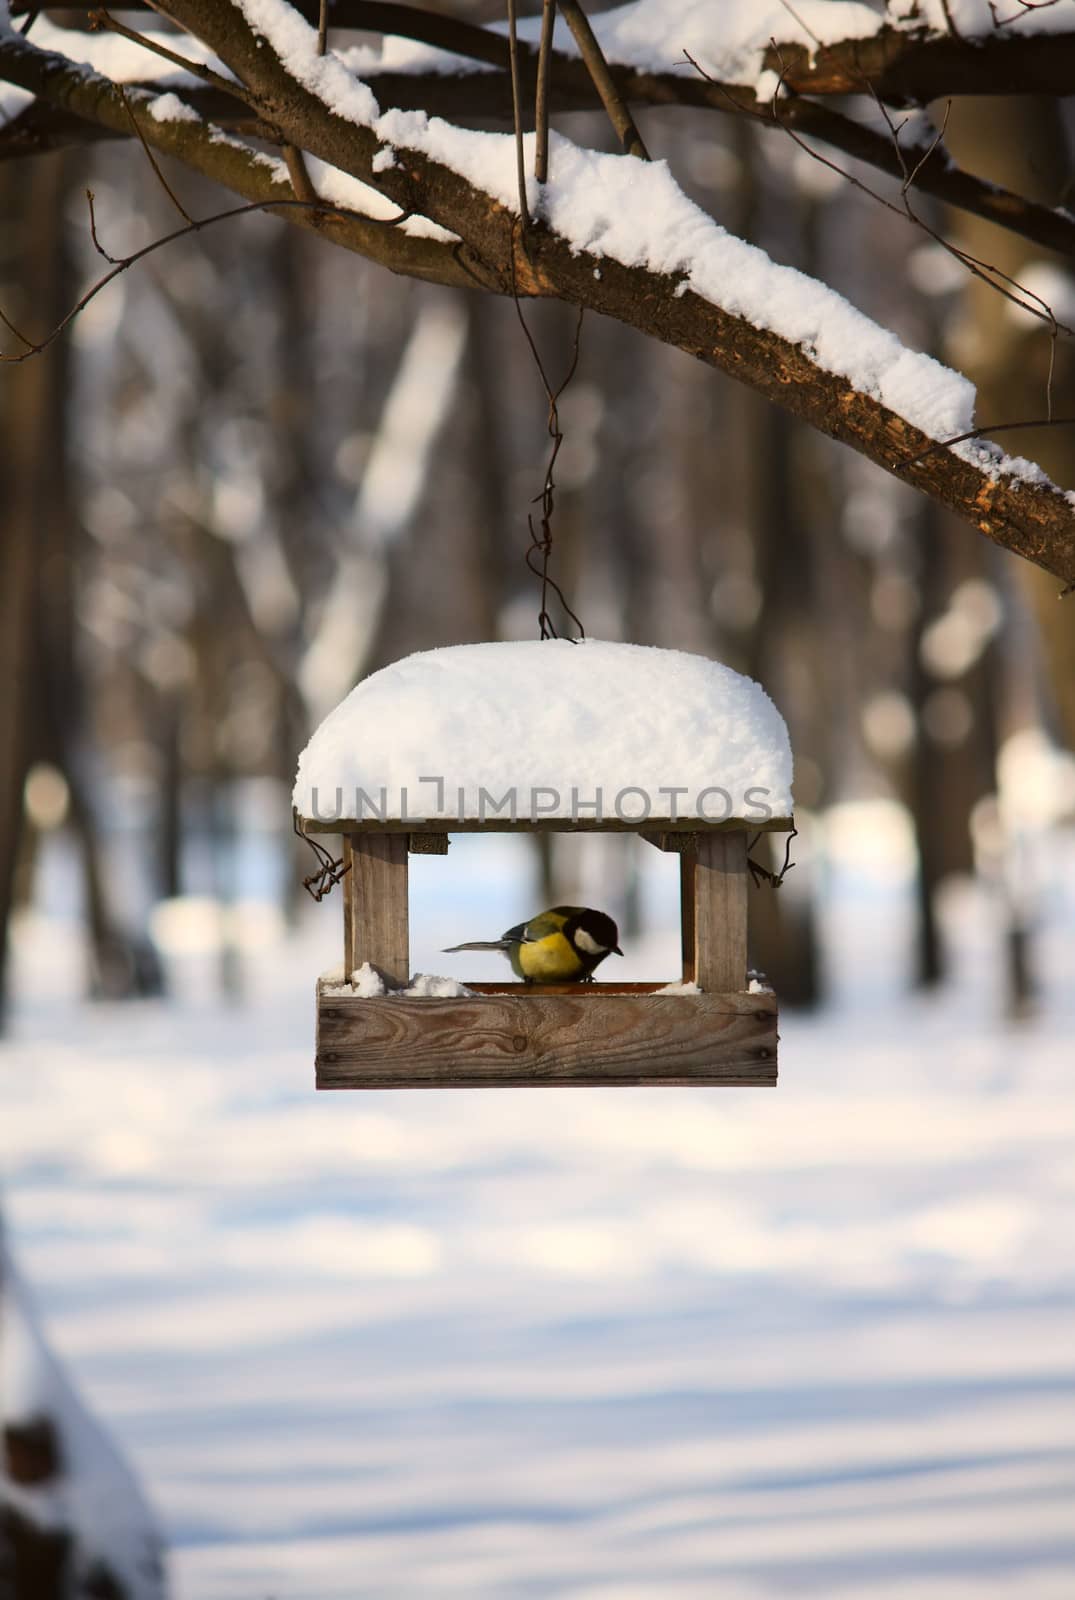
<point>478,944</point>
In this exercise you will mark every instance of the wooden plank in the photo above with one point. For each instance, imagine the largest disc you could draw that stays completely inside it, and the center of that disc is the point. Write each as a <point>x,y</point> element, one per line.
<point>429,844</point>
<point>720,913</point>
<point>687,864</point>
<point>375,906</point>
<point>443,825</point>
<point>677,843</point>
<point>585,1039</point>
<point>537,990</point>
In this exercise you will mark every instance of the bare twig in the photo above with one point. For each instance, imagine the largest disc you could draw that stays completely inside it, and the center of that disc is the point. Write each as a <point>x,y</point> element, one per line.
<point>299,174</point>
<point>993,276</point>
<point>517,116</point>
<point>603,81</point>
<point>114,261</point>
<point>940,178</point>
<point>322,28</point>
<point>102,19</point>
<point>154,163</point>
<point>541,99</point>
<point>952,29</point>
<point>488,94</point>
<point>909,65</point>
<point>985,432</point>
<point>121,264</point>
<point>1026,8</point>
<point>979,269</point>
<point>1032,518</point>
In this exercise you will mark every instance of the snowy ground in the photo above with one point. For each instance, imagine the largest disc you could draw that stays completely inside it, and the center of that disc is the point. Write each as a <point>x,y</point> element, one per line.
<point>813,1341</point>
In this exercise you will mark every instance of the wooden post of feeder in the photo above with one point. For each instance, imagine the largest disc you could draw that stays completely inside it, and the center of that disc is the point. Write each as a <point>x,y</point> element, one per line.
<point>375,925</point>
<point>718,912</point>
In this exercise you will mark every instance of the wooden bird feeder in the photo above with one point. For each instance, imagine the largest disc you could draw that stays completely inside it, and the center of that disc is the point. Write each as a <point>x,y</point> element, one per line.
<point>512,1034</point>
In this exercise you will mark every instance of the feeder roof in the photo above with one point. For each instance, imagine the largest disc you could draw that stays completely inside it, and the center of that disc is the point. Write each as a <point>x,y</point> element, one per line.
<point>535,731</point>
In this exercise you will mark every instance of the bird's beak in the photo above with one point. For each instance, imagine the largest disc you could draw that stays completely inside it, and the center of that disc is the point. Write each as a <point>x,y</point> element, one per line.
<point>616,951</point>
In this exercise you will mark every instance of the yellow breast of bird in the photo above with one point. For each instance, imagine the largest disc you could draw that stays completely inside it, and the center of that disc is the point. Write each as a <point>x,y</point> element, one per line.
<point>549,960</point>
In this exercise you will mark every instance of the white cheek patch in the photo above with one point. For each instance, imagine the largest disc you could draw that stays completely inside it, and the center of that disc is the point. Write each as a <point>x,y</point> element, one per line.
<point>589,946</point>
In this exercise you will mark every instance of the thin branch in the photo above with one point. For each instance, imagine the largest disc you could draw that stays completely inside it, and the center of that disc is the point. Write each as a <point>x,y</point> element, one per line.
<point>979,269</point>
<point>991,275</point>
<point>100,18</point>
<point>1035,519</point>
<point>985,433</point>
<point>202,147</point>
<point>605,84</point>
<point>115,261</point>
<point>151,158</point>
<point>517,114</point>
<point>952,29</point>
<point>1032,518</point>
<point>541,93</point>
<point>299,174</point>
<point>322,29</point>
<point>123,264</point>
<point>909,66</point>
<point>489,95</point>
<point>1026,8</point>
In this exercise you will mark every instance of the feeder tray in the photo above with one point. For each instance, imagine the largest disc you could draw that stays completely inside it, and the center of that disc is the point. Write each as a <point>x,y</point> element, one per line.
<point>513,1034</point>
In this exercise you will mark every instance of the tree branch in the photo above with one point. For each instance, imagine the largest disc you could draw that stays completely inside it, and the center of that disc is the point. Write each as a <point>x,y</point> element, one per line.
<point>911,68</point>
<point>488,95</point>
<point>603,80</point>
<point>904,65</point>
<point>468,95</point>
<point>1035,520</point>
<point>1031,518</point>
<point>75,92</point>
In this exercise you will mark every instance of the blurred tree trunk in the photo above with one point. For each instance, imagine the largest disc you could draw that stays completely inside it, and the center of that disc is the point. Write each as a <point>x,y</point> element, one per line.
<point>1021,142</point>
<point>489,464</point>
<point>28,405</point>
<point>782,656</point>
<point>782,649</point>
<point>41,718</point>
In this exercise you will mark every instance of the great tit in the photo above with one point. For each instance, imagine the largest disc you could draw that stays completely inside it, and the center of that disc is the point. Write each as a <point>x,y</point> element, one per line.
<point>563,945</point>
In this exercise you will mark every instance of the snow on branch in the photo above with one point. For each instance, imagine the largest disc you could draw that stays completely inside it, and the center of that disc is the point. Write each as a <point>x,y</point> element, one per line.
<point>613,234</point>
<point>618,235</point>
<point>352,215</point>
<point>441,65</point>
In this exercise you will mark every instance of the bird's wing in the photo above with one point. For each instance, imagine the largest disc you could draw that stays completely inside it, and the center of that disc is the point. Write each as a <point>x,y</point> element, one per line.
<point>521,933</point>
<point>478,944</point>
<point>541,926</point>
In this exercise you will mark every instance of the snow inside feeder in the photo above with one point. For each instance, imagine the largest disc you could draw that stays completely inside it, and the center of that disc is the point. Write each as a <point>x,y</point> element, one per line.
<point>554,736</point>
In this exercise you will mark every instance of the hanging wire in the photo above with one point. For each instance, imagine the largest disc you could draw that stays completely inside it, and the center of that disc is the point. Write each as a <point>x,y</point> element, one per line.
<point>762,874</point>
<point>329,871</point>
<point>539,551</point>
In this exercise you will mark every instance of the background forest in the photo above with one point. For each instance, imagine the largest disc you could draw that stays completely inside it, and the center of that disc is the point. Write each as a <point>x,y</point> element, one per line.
<point>256,468</point>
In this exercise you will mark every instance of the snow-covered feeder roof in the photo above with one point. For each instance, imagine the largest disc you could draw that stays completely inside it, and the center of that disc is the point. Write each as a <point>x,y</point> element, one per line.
<point>553,732</point>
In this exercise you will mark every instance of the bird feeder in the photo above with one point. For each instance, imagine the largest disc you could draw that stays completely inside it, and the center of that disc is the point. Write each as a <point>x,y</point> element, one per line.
<point>563,737</point>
